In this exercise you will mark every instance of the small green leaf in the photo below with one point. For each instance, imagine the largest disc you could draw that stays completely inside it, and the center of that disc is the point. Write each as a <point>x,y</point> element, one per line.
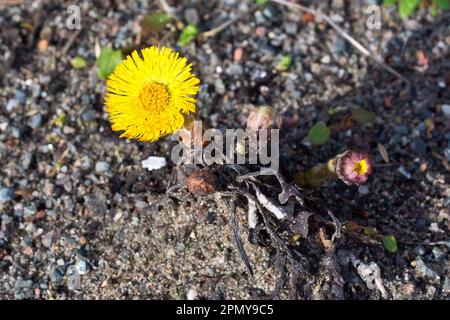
<point>390,243</point>
<point>319,133</point>
<point>156,21</point>
<point>107,62</point>
<point>443,4</point>
<point>188,35</point>
<point>262,2</point>
<point>284,63</point>
<point>389,2</point>
<point>60,121</point>
<point>335,110</point>
<point>78,62</point>
<point>434,11</point>
<point>26,25</point>
<point>370,232</point>
<point>363,115</point>
<point>407,7</point>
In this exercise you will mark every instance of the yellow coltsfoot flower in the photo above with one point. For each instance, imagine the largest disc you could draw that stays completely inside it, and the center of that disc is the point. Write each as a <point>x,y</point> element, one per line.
<point>149,96</point>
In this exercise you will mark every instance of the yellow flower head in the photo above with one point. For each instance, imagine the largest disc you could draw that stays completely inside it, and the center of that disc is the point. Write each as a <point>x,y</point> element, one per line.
<point>148,97</point>
<point>360,167</point>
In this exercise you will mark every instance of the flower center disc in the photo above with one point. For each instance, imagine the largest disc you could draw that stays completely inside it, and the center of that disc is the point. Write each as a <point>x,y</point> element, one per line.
<point>360,167</point>
<point>154,97</point>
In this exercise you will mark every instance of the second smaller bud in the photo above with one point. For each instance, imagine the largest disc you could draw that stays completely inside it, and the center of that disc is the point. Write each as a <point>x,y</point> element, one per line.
<point>264,117</point>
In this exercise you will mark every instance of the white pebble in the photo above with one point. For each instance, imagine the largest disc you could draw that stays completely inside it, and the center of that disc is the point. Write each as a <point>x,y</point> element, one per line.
<point>446,110</point>
<point>192,294</point>
<point>153,163</point>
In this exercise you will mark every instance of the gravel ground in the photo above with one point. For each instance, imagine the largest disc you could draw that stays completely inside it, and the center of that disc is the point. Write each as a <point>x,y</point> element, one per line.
<point>73,196</point>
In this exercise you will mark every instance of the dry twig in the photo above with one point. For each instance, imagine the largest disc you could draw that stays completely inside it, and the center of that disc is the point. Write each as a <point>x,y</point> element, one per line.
<point>214,31</point>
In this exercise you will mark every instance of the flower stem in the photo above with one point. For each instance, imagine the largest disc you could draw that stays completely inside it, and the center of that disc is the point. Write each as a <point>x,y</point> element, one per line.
<point>316,176</point>
<point>352,167</point>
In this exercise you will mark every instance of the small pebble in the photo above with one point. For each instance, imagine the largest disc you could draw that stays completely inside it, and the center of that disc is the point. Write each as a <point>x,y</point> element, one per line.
<point>11,104</point>
<point>81,266</point>
<point>363,189</point>
<point>101,167</point>
<point>438,253</point>
<point>43,45</point>
<point>446,286</point>
<point>18,210</point>
<point>192,294</point>
<point>419,250</point>
<point>419,146</point>
<point>424,271</point>
<point>238,53</point>
<point>291,28</point>
<point>36,121</point>
<point>21,97</point>
<point>219,86</point>
<point>28,251</point>
<point>408,289</point>
<point>446,110</point>
<point>86,163</point>
<point>325,59</point>
<point>57,274</point>
<point>29,210</point>
<point>404,172</point>
<point>140,205</point>
<point>6,219</point>
<point>6,194</point>
<point>153,163</point>
<point>47,239</point>
<point>191,16</point>
<point>28,160</point>
<point>260,31</point>
<point>431,291</point>
<point>447,154</point>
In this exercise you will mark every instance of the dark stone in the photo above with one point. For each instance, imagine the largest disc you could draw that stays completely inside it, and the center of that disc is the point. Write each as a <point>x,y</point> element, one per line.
<point>419,146</point>
<point>421,224</point>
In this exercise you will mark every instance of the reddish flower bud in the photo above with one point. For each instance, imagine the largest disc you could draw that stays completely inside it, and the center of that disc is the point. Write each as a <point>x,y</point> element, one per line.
<point>201,183</point>
<point>192,132</point>
<point>264,118</point>
<point>353,167</point>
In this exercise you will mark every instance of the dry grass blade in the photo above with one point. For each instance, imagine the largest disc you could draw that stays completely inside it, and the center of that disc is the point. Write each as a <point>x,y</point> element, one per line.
<point>383,152</point>
<point>237,238</point>
<point>214,31</point>
<point>277,211</point>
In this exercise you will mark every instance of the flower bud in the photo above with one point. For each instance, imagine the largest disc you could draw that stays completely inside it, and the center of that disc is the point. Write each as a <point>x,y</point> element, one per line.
<point>264,118</point>
<point>352,167</point>
<point>192,132</point>
<point>201,183</point>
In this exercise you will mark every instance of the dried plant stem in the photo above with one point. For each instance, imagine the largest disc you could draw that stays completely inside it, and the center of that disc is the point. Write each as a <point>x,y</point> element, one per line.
<point>314,177</point>
<point>345,35</point>
<point>237,238</point>
<point>214,31</point>
<point>70,42</point>
<point>219,28</point>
